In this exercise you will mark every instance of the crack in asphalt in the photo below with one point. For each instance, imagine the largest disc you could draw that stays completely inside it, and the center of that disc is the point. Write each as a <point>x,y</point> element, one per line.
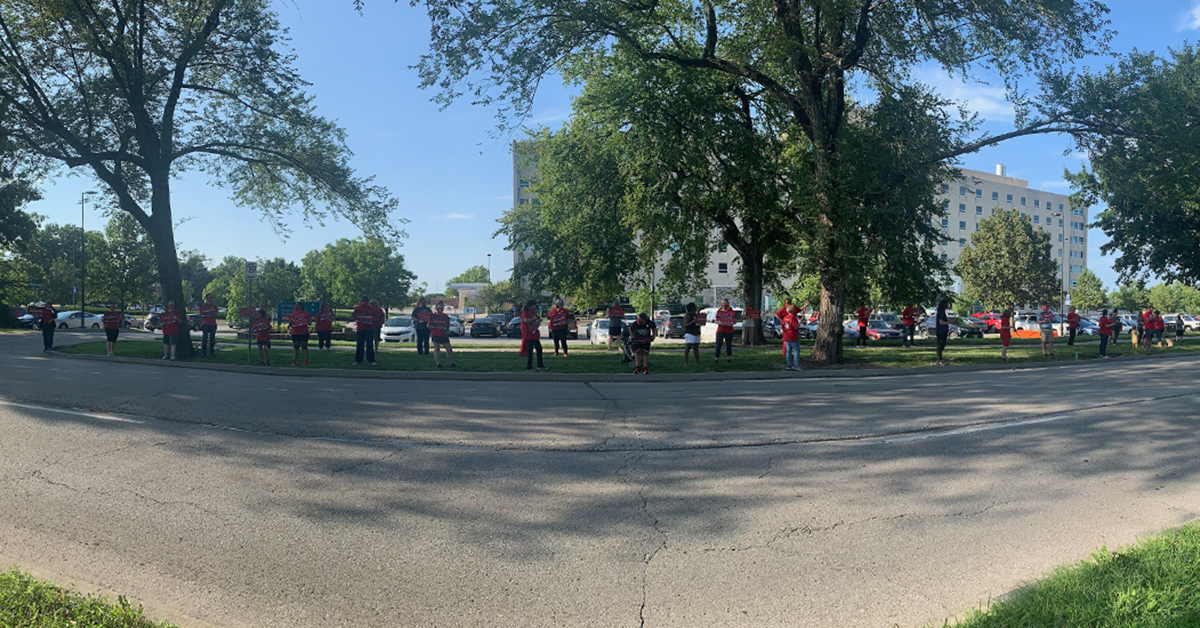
<point>360,465</point>
<point>649,557</point>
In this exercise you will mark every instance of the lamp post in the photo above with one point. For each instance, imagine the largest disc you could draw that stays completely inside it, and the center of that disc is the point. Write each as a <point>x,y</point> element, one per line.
<point>1064,269</point>
<point>83,260</point>
<point>489,268</point>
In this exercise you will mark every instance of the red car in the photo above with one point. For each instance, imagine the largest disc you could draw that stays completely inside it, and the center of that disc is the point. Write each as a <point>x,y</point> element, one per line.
<point>989,319</point>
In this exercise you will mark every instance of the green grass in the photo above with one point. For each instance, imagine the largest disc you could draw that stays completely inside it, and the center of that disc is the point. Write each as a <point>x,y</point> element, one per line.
<point>26,602</point>
<point>1154,584</point>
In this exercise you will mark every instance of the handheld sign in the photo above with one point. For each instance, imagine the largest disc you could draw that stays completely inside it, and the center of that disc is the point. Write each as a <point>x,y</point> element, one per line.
<point>754,314</point>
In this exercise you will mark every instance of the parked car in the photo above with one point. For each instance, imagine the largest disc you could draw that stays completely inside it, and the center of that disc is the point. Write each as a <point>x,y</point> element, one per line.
<point>672,327</point>
<point>194,321</point>
<point>514,327</point>
<point>989,320</point>
<point>968,328</point>
<point>457,328</point>
<point>926,328</point>
<point>1088,328</point>
<point>598,331</point>
<point>487,326</point>
<point>894,321</point>
<point>879,330</point>
<point>572,327</point>
<point>68,320</point>
<point>1191,323</point>
<point>151,323</point>
<point>398,329</point>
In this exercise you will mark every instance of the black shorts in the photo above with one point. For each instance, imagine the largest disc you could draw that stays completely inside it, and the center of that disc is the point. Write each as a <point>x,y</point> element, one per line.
<point>300,341</point>
<point>440,340</point>
<point>379,334</point>
<point>170,339</point>
<point>264,343</point>
<point>112,334</point>
<point>640,347</point>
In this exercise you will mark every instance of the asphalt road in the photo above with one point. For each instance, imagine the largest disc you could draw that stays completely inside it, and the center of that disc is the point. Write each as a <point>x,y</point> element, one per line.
<point>222,499</point>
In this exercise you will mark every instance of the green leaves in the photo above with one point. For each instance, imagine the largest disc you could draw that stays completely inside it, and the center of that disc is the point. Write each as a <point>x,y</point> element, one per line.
<point>1089,292</point>
<point>1008,263</point>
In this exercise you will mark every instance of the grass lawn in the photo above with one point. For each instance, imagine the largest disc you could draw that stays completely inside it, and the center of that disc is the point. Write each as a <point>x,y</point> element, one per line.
<point>663,359</point>
<point>1154,584</point>
<point>29,603</point>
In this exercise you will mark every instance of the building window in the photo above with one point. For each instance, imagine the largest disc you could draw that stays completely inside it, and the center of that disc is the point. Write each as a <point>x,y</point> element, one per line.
<point>1009,197</point>
<point>1024,217</point>
<point>962,190</point>
<point>962,241</point>
<point>977,226</point>
<point>945,188</point>
<point>978,193</point>
<point>1060,255</point>
<point>1037,203</point>
<point>722,267</point>
<point>978,210</point>
<point>962,208</point>
<point>1076,254</point>
<point>962,225</point>
<point>1022,201</point>
<point>1060,207</point>
<point>1035,220</point>
<point>1072,283</point>
<point>1076,270</point>
<point>523,183</point>
<point>946,205</point>
<point>1060,237</point>
<point>943,257</point>
<point>995,196</point>
<point>1060,222</point>
<point>945,223</point>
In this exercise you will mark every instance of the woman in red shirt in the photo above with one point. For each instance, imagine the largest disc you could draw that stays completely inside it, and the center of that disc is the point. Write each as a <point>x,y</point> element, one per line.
<point>1072,326</point>
<point>1105,331</point>
<point>531,334</point>
<point>558,319</point>
<point>170,330</point>
<point>726,318</point>
<point>909,321</point>
<point>261,328</point>
<point>439,334</point>
<point>791,339</point>
<point>324,328</point>
<point>208,326</point>
<point>112,327</point>
<point>1005,332</point>
<point>298,322</point>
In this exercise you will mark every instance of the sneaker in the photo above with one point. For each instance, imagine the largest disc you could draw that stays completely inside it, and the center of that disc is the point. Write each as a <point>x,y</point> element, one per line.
<point>729,360</point>
<point>374,364</point>
<point>528,370</point>
<point>543,368</point>
<point>260,363</point>
<point>636,370</point>
<point>172,358</point>
<point>165,357</point>
<point>438,365</point>
<point>452,365</point>
<point>306,363</point>
<point>293,363</point>
<point>645,371</point>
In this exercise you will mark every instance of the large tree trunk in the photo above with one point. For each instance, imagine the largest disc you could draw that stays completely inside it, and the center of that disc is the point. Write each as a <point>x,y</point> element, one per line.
<point>827,348</point>
<point>752,295</point>
<point>162,234</point>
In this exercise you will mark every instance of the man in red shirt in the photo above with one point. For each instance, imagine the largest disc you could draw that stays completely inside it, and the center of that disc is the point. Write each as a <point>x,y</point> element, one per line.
<point>261,328</point>
<point>324,329</point>
<point>439,334</point>
<point>298,322</point>
<point>908,318</point>
<point>531,334</point>
<point>1148,326</point>
<point>170,330</point>
<point>1105,331</point>
<point>208,327</point>
<point>726,318</point>
<point>49,321</point>
<point>112,327</point>
<point>364,332</point>
<point>1072,326</point>
<point>864,319</point>
<point>558,320</point>
<point>790,331</point>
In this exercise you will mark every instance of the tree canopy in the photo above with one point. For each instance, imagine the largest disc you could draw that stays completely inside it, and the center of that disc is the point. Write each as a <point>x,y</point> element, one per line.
<point>1008,263</point>
<point>347,270</point>
<point>474,274</point>
<point>1089,292</point>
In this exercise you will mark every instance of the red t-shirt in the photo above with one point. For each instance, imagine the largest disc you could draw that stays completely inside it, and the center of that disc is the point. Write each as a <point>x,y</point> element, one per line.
<point>909,316</point>
<point>791,328</point>
<point>364,317</point>
<point>616,311</point>
<point>112,319</point>
<point>1005,325</point>
<point>380,316</point>
<point>1105,326</point>
<point>299,322</point>
<point>1073,320</point>
<point>725,321</point>
<point>1159,323</point>
<point>208,314</point>
<point>531,326</point>
<point>261,328</point>
<point>1148,319</point>
<point>325,320</point>
<point>47,313</point>
<point>558,318</point>
<point>864,316</point>
<point>170,322</point>
<point>439,325</point>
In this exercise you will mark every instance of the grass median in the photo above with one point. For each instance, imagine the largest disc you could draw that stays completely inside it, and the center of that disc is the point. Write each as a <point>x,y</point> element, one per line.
<point>26,602</point>
<point>663,358</point>
<point>1154,584</point>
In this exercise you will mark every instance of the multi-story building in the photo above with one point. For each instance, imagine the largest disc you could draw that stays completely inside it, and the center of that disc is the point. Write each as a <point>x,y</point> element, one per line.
<point>978,195</point>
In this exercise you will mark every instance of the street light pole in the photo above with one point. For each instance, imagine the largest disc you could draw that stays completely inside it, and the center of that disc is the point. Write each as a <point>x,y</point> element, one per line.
<point>83,260</point>
<point>489,268</point>
<point>1063,268</point>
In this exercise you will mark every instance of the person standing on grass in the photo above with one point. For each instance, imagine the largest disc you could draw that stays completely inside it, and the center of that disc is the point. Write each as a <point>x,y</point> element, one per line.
<point>420,316</point>
<point>558,319</point>
<point>790,328</point>
<point>1005,332</point>
<point>1106,327</point>
<point>1140,339</point>
<point>616,320</point>
<point>261,328</point>
<point>380,318</point>
<point>1160,328</point>
<point>531,334</point>
<point>908,318</point>
<point>49,321</point>
<point>439,333</point>
<point>691,333</point>
<point>170,330</point>
<point>864,321</point>
<point>1072,326</point>
<point>1046,327</point>
<point>1116,325</point>
<point>298,322</point>
<point>324,327</point>
<point>112,327</point>
<point>364,332</point>
<point>943,330</point>
<point>208,327</point>
<point>641,334</point>
<point>1178,328</point>
<point>726,318</point>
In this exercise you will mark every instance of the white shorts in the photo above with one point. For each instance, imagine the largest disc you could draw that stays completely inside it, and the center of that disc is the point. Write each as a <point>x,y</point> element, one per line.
<point>691,339</point>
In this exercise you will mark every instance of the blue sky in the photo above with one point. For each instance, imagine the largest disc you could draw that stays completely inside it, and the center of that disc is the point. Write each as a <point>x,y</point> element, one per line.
<point>453,176</point>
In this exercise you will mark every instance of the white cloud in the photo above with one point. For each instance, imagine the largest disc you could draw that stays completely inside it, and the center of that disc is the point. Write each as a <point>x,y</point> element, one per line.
<point>1054,185</point>
<point>991,103</point>
<point>502,198</point>
<point>457,216</point>
<point>1191,19</point>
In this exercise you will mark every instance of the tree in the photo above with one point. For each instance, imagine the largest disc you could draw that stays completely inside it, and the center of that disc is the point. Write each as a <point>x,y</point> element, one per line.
<point>1089,292</point>
<point>136,93</point>
<point>1008,263</point>
<point>193,268</point>
<point>278,281</point>
<point>1174,297</point>
<point>125,274</point>
<point>495,296</point>
<point>474,274</point>
<point>228,285</point>
<point>347,270</point>
<point>1130,296</point>
<point>1145,161</point>
<point>794,57</point>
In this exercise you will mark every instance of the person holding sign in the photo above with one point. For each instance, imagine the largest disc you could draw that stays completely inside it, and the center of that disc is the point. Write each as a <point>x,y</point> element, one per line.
<point>324,327</point>
<point>691,333</point>
<point>49,320</point>
<point>726,318</point>
<point>641,334</point>
<point>208,327</point>
<point>261,328</point>
<point>170,320</point>
<point>908,318</point>
<point>112,327</point>
<point>1005,332</point>
<point>439,333</point>
<point>559,318</point>
<point>1073,319</point>
<point>790,331</point>
<point>864,320</point>
<point>298,322</point>
<point>420,316</point>
<point>616,320</point>
<point>1046,326</point>
<point>531,334</point>
<point>1105,331</point>
<point>364,332</point>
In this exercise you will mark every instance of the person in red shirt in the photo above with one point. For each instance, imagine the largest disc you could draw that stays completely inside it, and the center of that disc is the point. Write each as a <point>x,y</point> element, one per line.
<point>616,321</point>
<point>531,334</point>
<point>1072,326</point>
<point>1147,327</point>
<point>208,327</point>
<point>1160,327</point>
<point>726,318</point>
<point>324,327</point>
<point>364,332</point>
<point>1106,325</point>
<point>298,322</point>
<point>439,334</point>
<point>49,320</point>
<point>261,328</point>
<point>908,318</point>
<point>790,325</point>
<point>558,319</point>
<point>170,330</point>
<point>864,319</point>
<point>112,327</point>
<point>1005,332</point>
<point>380,319</point>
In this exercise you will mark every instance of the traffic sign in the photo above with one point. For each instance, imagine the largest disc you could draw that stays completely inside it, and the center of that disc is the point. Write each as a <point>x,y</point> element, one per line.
<point>251,270</point>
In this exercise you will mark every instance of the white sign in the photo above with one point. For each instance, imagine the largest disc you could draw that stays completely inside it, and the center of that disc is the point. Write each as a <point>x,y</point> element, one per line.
<point>251,270</point>
<point>468,311</point>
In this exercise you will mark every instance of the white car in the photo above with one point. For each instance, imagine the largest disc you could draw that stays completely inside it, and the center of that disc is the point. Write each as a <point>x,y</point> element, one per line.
<point>398,329</point>
<point>708,333</point>
<point>457,328</point>
<point>598,331</point>
<point>1190,323</point>
<point>67,320</point>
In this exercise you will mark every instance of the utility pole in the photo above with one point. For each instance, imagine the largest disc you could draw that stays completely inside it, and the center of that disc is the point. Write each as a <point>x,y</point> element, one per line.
<point>83,260</point>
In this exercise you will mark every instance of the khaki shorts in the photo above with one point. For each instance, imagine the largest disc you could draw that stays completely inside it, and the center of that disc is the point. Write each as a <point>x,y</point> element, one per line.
<point>1047,335</point>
